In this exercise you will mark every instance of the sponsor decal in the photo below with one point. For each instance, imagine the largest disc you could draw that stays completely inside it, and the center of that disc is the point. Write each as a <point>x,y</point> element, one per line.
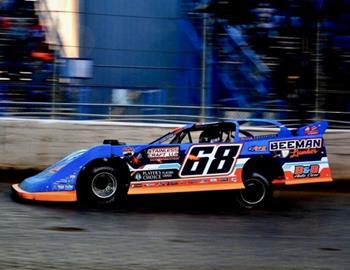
<point>136,160</point>
<point>138,176</point>
<point>306,171</point>
<point>63,185</point>
<point>154,175</point>
<point>56,169</point>
<point>265,137</point>
<point>296,144</point>
<point>246,138</point>
<point>163,153</point>
<point>128,151</point>
<point>177,130</point>
<point>168,174</point>
<point>182,182</point>
<point>166,137</point>
<point>150,184</point>
<point>302,152</point>
<point>173,183</point>
<point>257,148</point>
<point>311,130</point>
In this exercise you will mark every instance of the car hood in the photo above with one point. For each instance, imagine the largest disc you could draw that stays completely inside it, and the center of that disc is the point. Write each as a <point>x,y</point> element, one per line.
<point>51,178</point>
<point>62,175</point>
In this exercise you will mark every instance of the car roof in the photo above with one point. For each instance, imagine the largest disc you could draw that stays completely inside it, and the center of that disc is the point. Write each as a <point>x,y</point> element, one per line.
<point>237,122</point>
<point>283,130</point>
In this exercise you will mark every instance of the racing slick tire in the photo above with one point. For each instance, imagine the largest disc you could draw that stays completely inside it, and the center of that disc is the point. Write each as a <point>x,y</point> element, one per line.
<point>257,192</point>
<point>102,186</point>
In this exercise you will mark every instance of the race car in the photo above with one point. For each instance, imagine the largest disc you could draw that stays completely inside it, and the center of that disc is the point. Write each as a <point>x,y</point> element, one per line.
<point>196,157</point>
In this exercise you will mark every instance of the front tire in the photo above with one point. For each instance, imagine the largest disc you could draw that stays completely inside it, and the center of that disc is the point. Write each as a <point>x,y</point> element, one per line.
<point>102,186</point>
<point>257,192</point>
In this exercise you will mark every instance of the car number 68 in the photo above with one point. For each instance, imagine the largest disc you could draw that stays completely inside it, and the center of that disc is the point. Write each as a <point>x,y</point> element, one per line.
<point>206,160</point>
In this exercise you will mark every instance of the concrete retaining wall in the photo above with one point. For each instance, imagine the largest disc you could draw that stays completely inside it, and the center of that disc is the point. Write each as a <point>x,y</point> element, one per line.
<point>34,144</point>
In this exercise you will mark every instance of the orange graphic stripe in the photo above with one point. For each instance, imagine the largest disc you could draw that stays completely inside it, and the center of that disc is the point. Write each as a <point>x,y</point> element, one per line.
<point>184,188</point>
<point>325,176</point>
<point>309,180</point>
<point>325,172</point>
<point>238,174</point>
<point>54,196</point>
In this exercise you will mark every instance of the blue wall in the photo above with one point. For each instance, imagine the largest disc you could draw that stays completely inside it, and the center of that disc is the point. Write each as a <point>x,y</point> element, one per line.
<point>139,45</point>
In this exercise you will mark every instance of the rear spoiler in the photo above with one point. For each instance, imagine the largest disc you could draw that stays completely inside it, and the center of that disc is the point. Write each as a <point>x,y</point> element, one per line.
<point>317,128</point>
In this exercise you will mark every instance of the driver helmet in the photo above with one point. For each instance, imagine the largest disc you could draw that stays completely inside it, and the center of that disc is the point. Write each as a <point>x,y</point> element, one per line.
<point>210,136</point>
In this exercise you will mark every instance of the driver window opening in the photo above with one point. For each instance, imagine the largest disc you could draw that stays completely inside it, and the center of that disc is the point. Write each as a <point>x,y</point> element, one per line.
<point>216,136</point>
<point>187,138</point>
<point>223,134</point>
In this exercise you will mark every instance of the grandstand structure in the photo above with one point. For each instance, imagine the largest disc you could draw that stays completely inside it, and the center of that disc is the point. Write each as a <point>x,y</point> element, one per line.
<point>26,61</point>
<point>188,59</point>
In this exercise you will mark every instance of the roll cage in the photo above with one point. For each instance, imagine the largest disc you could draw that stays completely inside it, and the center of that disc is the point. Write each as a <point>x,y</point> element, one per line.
<point>226,131</point>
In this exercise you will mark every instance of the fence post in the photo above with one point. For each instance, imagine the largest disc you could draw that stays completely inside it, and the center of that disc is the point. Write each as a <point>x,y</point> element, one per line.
<point>204,69</point>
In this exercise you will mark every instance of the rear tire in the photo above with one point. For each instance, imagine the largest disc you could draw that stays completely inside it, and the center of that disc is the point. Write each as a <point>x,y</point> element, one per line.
<point>102,186</point>
<point>257,192</point>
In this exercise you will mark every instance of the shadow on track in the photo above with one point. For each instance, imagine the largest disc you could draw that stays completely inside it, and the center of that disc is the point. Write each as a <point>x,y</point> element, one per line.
<point>201,203</point>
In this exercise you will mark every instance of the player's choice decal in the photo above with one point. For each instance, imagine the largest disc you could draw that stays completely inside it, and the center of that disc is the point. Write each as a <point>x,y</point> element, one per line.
<point>206,160</point>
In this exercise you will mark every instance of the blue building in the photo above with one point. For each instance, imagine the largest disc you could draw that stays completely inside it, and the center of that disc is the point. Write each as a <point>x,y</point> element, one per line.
<point>140,49</point>
<point>247,56</point>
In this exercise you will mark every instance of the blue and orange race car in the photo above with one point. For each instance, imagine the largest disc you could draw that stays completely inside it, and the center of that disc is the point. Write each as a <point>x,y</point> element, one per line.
<point>196,157</point>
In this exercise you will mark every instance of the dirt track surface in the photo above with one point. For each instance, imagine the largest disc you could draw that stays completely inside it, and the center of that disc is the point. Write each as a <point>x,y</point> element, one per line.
<point>300,230</point>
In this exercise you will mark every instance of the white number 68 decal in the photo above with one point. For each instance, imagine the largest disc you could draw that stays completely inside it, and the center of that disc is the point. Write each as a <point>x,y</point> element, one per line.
<point>206,160</point>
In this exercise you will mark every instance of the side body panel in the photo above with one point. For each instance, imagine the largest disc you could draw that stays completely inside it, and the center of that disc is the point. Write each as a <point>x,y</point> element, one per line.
<point>185,168</point>
<point>303,159</point>
<point>301,155</point>
<point>219,166</point>
<point>62,175</point>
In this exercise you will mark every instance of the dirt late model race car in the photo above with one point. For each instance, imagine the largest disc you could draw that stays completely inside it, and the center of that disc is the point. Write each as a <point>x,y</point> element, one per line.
<point>196,157</point>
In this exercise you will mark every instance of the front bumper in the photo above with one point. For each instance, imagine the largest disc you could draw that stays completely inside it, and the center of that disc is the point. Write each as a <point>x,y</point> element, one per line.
<point>52,196</point>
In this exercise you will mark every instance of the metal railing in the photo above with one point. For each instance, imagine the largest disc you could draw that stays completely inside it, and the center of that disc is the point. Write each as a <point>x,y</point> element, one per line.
<point>162,113</point>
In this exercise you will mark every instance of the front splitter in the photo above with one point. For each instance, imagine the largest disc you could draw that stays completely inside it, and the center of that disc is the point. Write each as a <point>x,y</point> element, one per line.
<point>54,196</point>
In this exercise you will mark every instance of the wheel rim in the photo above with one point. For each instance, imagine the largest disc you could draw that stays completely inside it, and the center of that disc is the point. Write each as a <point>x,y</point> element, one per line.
<point>254,192</point>
<point>104,185</point>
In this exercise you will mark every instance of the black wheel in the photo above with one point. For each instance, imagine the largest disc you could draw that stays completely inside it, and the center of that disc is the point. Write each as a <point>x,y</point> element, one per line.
<point>257,192</point>
<point>102,185</point>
